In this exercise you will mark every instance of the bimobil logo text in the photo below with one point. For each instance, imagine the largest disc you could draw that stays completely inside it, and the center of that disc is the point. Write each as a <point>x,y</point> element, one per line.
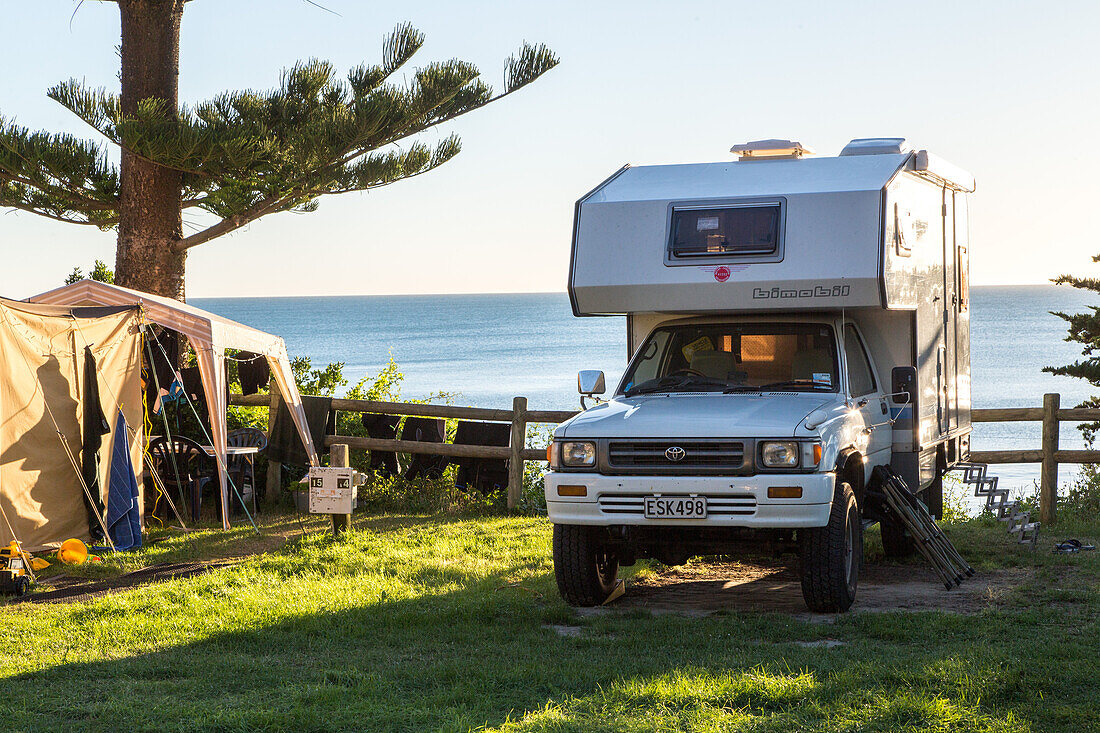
<point>819,291</point>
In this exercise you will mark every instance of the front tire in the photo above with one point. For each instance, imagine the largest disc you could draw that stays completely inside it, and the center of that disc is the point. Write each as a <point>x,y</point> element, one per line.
<point>831,556</point>
<point>22,585</point>
<point>585,568</point>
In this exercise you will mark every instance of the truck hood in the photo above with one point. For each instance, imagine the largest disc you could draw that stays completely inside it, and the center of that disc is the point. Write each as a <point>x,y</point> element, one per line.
<point>697,415</point>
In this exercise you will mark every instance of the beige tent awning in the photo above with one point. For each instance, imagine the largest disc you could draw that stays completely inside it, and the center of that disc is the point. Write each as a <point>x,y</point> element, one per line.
<point>210,335</point>
<point>43,393</point>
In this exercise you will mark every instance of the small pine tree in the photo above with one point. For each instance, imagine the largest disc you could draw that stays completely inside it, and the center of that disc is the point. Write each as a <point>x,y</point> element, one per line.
<point>100,273</point>
<point>1084,328</point>
<point>1083,495</point>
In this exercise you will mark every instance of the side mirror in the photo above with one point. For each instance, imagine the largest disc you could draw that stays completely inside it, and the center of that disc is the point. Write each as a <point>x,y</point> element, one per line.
<point>590,382</point>
<point>903,384</point>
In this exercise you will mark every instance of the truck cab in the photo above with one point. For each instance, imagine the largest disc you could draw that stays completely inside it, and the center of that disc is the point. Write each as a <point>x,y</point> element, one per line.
<point>792,324</point>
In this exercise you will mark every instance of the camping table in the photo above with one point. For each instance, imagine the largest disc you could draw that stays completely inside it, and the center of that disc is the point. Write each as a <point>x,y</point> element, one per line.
<point>248,451</point>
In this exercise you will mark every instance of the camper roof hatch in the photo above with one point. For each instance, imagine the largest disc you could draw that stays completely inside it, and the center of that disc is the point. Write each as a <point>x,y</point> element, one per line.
<point>876,146</point>
<point>760,149</point>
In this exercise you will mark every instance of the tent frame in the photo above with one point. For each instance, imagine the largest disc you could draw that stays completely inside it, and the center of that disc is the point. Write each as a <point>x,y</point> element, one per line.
<point>209,335</point>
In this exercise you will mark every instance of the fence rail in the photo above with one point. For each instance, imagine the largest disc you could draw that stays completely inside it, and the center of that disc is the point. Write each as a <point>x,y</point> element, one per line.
<point>516,452</point>
<point>1051,415</point>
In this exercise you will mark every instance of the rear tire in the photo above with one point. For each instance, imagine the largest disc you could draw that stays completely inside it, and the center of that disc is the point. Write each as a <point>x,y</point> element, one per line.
<point>22,585</point>
<point>585,568</point>
<point>896,542</point>
<point>933,496</point>
<point>831,556</point>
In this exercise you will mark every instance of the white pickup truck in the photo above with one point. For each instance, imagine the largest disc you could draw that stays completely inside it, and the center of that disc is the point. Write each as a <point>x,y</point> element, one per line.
<point>793,322</point>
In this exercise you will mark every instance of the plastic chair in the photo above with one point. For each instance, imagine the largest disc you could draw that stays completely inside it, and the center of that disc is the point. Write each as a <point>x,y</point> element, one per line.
<point>185,469</point>
<point>242,468</point>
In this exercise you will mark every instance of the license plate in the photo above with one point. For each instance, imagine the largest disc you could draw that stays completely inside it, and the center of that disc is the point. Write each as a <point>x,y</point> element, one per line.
<point>675,507</point>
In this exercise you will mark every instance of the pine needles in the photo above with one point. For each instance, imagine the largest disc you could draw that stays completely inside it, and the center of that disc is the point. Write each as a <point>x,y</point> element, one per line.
<point>245,154</point>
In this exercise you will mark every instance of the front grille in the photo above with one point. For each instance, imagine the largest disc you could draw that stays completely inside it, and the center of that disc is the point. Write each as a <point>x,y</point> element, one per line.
<point>654,456</point>
<point>717,504</point>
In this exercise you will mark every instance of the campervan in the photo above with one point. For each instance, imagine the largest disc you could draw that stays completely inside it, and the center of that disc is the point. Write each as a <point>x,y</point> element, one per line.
<point>792,322</point>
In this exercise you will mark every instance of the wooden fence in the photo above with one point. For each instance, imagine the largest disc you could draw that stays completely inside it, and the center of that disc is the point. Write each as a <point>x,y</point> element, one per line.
<point>516,452</point>
<point>1050,414</point>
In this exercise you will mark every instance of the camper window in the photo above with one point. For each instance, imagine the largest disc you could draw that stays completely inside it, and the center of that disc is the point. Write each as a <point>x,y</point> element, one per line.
<point>728,230</point>
<point>729,357</point>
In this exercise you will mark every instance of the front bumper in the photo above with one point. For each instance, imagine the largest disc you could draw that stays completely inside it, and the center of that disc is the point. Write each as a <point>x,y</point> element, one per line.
<point>732,501</point>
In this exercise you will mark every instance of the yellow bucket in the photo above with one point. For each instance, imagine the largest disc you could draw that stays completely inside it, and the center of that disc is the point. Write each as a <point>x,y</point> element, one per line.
<point>72,552</point>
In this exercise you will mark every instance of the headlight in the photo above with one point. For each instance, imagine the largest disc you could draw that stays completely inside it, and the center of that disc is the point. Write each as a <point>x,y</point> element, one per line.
<point>779,455</point>
<point>576,454</point>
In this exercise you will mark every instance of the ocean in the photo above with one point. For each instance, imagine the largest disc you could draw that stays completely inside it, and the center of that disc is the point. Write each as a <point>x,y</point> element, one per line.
<point>483,350</point>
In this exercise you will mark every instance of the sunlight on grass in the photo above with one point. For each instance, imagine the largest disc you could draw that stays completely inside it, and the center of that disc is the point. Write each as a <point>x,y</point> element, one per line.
<point>754,700</point>
<point>441,623</point>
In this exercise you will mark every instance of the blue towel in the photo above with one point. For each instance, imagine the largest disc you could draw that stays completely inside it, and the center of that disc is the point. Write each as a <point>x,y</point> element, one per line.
<point>123,511</point>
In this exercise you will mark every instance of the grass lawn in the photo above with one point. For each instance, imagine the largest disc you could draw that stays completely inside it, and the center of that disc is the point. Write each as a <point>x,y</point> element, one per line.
<point>428,623</point>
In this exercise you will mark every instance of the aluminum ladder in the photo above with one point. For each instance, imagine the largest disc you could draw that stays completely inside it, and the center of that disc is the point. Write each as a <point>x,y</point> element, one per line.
<point>997,502</point>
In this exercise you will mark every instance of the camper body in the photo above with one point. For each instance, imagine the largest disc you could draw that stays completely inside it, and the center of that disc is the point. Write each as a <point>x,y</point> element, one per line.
<point>792,323</point>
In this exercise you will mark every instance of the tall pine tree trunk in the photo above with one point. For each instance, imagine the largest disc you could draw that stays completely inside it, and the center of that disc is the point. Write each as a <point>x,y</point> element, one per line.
<point>150,222</point>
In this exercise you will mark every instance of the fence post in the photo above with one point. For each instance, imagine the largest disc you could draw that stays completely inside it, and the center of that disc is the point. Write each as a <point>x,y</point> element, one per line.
<point>338,458</point>
<point>273,484</point>
<point>516,442</point>
<point>1048,482</point>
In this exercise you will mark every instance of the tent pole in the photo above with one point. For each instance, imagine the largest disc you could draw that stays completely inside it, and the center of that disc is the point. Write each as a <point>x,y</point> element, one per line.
<point>164,490</point>
<point>206,434</point>
<point>163,416</point>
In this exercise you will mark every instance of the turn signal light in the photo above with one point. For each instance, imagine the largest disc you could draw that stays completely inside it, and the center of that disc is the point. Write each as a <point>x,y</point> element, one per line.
<point>575,490</point>
<point>817,453</point>
<point>784,492</point>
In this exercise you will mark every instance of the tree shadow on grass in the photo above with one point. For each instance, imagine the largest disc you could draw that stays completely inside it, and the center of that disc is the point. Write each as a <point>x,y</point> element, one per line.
<point>483,654</point>
<point>478,648</point>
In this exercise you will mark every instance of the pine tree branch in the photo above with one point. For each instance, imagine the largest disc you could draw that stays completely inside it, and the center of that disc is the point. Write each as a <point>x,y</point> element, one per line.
<point>58,217</point>
<point>66,195</point>
<point>245,154</point>
<point>227,225</point>
<point>444,152</point>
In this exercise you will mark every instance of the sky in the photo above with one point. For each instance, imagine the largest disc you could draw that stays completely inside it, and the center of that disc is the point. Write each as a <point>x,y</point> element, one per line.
<point>1006,90</point>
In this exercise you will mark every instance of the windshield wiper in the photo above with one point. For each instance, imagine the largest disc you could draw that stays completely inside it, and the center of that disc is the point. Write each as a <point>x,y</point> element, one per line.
<point>796,383</point>
<point>740,388</point>
<point>653,385</point>
<point>672,381</point>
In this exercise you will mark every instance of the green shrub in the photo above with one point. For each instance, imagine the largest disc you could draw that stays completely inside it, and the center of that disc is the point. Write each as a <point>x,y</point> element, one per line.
<point>1082,499</point>
<point>955,505</point>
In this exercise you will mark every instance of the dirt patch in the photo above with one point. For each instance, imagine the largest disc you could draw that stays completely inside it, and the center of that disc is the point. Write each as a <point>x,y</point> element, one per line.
<point>69,589</point>
<point>770,586</point>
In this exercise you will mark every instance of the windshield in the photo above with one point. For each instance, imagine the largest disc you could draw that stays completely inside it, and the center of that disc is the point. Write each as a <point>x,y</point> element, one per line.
<point>744,357</point>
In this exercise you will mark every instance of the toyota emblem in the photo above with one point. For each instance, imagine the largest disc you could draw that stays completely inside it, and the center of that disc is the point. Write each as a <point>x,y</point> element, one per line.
<point>675,453</point>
